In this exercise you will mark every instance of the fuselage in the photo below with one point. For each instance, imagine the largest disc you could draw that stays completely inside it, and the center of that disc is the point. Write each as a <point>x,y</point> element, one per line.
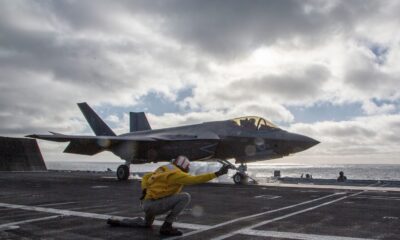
<point>221,140</point>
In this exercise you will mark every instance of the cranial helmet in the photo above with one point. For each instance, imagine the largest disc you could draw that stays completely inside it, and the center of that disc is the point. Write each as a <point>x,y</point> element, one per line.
<point>182,162</point>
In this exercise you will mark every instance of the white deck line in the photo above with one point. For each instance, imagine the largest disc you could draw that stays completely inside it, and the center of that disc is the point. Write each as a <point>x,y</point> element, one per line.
<point>254,215</point>
<point>380,198</point>
<point>292,235</point>
<point>92,215</point>
<point>339,187</point>
<point>14,224</point>
<point>55,204</point>
<point>89,207</point>
<point>283,217</point>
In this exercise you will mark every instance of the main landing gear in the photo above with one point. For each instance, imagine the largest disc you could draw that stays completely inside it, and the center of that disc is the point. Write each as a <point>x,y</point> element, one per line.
<point>123,172</point>
<point>240,177</point>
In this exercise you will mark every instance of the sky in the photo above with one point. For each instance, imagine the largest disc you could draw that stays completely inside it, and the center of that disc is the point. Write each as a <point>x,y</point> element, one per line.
<point>326,69</point>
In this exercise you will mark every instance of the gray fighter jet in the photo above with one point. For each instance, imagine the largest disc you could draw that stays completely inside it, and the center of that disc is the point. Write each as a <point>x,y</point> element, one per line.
<point>245,139</point>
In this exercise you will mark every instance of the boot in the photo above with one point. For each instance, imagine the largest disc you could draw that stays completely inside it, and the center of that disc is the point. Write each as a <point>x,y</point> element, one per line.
<point>149,219</point>
<point>113,222</point>
<point>167,230</point>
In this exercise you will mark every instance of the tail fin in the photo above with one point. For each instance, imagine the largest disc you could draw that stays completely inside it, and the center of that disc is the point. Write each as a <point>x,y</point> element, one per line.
<point>138,122</point>
<point>98,126</point>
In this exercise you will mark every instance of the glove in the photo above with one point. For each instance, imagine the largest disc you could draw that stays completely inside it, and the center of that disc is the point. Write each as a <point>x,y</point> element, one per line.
<point>223,170</point>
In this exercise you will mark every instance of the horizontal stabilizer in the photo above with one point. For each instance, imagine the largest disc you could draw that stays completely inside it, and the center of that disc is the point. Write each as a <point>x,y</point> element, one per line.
<point>138,122</point>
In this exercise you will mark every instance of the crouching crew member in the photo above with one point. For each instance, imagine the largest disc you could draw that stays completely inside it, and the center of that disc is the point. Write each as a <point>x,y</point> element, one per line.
<point>162,194</point>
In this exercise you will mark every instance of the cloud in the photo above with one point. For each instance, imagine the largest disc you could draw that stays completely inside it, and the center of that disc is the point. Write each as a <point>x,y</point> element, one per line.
<point>360,136</point>
<point>367,77</point>
<point>371,108</point>
<point>291,86</point>
<point>237,58</point>
<point>176,119</point>
<point>232,31</point>
<point>53,55</point>
<point>226,30</point>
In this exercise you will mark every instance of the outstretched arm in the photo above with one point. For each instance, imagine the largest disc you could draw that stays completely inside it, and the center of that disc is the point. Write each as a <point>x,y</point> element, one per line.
<point>187,179</point>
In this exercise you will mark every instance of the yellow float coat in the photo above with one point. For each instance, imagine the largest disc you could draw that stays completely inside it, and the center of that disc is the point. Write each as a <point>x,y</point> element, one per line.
<point>168,180</point>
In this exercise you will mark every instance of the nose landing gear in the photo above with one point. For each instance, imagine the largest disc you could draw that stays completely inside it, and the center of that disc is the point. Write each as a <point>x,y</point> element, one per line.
<point>240,177</point>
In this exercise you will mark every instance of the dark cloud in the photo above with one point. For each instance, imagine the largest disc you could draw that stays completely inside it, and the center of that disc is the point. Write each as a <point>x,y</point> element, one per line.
<point>69,59</point>
<point>228,30</point>
<point>373,81</point>
<point>44,75</point>
<point>56,53</point>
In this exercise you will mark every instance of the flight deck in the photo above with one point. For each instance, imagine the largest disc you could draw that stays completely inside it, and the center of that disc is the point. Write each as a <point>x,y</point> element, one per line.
<point>75,205</point>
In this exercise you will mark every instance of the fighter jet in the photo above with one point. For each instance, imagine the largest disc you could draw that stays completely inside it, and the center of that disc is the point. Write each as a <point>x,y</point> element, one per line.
<point>244,139</point>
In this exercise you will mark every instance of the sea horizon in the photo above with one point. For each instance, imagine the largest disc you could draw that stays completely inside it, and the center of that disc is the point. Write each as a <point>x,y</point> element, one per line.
<point>266,170</point>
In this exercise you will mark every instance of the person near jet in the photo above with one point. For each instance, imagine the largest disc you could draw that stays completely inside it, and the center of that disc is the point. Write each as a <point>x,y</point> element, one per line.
<point>342,177</point>
<point>162,194</point>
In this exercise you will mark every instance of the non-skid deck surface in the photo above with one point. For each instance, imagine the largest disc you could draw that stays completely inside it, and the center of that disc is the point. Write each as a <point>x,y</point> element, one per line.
<point>75,205</point>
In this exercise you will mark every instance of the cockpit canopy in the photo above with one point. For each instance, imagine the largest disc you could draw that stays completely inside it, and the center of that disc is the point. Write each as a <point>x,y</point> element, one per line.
<point>254,123</point>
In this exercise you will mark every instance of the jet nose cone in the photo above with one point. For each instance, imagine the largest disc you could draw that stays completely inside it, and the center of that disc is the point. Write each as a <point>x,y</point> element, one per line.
<point>311,142</point>
<point>301,142</point>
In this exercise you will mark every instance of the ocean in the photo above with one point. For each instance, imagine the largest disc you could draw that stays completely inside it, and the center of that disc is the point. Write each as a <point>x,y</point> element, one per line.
<point>318,171</point>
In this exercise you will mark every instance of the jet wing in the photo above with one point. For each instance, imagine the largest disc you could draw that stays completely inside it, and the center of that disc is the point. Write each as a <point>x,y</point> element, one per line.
<point>90,145</point>
<point>57,137</point>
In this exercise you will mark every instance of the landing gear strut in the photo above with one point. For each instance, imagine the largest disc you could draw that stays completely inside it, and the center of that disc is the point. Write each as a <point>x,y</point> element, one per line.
<point>123,172</point>
<point>240,176</point>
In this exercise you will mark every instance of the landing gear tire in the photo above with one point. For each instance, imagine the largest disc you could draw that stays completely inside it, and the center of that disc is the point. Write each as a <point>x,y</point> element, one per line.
<point>240,178</point>
<point>123,173</point>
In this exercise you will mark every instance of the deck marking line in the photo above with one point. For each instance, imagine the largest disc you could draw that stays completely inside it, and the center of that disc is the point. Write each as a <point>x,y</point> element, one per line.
<point>56,211</point>
<point>380,198</point>
<point>92,215</point>
<point>99,186</point>
<point>254,215</point>
<point>268,197</point>
<point>283,217</point>
<point>9,228</point>
<point>293,235</point>
<point>89,207</point>
<point>10,225</point>
<point>370,187</point>
<point>55,204</point>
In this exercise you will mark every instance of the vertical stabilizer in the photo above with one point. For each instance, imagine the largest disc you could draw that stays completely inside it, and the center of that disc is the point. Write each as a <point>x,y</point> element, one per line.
<point>98,126</point>
<point>138,122</point>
